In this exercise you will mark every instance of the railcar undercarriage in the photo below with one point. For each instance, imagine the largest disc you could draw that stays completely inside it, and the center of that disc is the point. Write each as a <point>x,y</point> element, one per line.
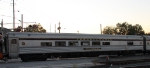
<point>45,56</point>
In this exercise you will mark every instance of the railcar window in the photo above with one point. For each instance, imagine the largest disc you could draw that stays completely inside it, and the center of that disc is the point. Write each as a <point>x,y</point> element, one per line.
<point>96,43</point>
<point>13,41</point>
<point>147,43</point>
<point>85,43</point>
<point>129,43</point>
<point>73,43</point>
<point>46,43</point>
<point>106,43</point>
<point>60,43</point>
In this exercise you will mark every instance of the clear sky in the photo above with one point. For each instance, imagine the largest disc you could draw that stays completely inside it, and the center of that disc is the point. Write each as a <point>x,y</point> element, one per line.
<point>83,15</point>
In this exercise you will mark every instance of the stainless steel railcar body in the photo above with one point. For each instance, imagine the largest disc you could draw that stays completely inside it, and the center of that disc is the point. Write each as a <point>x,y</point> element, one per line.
<point>28,43</point>
<point>147,42</point>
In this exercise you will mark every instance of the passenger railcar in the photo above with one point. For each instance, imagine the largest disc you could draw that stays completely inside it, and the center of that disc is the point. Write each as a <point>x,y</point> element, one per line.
<point>147,42</point>
<point>40,46</point>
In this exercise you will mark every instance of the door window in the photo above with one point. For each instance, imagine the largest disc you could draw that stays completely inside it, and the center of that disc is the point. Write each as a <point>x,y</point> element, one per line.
<point>13,41</point>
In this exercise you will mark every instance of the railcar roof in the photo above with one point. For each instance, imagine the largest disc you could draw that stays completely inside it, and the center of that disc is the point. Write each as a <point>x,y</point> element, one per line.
<point>148,37</point>
<point>68,34</point>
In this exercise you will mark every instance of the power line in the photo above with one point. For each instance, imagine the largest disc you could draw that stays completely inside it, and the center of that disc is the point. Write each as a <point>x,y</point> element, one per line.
<point>9,16</point>
<point>29,6</point>
<point>4,8</point>
<point>13,15</point>
<point>33,7</point>
<point>2,1</point>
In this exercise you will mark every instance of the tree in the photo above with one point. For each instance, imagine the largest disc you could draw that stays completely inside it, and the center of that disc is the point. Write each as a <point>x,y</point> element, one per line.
<point>35,28</point>
<point>125,29</point>
<point>147,33</point>
<point>18,29</point>
<point>109,30</point>
<point>138,29</point>
<point>31,28</point>
<point>142,32</point>
<point>130,30</point>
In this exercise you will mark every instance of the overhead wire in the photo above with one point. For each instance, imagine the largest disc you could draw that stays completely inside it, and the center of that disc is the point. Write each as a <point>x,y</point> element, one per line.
<point>8,16</point>
<point>28,7</point>
<point>32,13</point>
<point>3,1</point>
<point>34,8</point>
<point>5,12</point>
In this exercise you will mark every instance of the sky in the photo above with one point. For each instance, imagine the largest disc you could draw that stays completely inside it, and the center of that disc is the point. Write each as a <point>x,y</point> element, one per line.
<point>84,16</point>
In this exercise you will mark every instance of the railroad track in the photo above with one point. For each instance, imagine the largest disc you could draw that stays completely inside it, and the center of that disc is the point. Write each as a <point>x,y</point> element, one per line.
<point>135,61</point>
<point>133,65</point>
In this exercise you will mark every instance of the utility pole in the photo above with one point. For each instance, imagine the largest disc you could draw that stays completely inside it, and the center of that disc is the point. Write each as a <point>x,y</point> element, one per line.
<point>59,27</point>
<point>13,15</point>
<point>55,28</point>
<point>78,31</point>
<point>2,38</point>
<point>50,27</point>
<point>100,28</point>
<point>22,22</point>
<point>2,28</point>
<point>2,35</point>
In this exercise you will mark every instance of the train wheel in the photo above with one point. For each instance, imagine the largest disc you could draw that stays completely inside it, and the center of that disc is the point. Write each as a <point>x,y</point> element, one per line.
<point>43,58</point>
<point>118,54</point>
<point>25,58</point>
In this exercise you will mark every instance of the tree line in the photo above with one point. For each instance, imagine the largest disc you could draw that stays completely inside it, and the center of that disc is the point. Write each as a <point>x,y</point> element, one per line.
<point>125,29</point>
<point>120,29</point>
<point>31,28</point>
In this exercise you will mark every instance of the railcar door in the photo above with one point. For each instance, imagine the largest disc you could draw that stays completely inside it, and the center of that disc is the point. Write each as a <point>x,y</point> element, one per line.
<point>13,48</point>
<point>1,51</point>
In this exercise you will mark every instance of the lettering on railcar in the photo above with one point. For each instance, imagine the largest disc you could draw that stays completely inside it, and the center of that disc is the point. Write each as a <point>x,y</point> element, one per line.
<point>91,48</point>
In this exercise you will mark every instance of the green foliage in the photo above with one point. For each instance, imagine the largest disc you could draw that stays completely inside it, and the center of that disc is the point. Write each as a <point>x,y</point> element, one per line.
<point>147,33</point>
<point>35,28</point>
<point>31,28</point>
<point>124,29</point>
<point>109,30</point>
<point>18,29</point>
